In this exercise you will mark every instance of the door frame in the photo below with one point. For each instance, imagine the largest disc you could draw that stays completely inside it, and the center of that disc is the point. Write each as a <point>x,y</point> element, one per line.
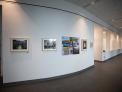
<point>1,72</point>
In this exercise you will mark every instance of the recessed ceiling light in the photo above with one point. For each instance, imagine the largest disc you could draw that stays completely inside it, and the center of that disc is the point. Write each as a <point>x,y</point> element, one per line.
<point>104,32</point>
<point>93,3</point>
<point>112,20</point>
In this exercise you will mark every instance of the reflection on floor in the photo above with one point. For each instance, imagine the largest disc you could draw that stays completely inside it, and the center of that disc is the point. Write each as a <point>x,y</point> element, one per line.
<point>104,77</point>
<point>1,80</point>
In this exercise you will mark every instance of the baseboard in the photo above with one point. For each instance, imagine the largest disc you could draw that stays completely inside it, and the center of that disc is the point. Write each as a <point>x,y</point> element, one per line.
<point>46,79</point>
<point>107,59</point>
<point>98,61</point>
<point>111,58</point>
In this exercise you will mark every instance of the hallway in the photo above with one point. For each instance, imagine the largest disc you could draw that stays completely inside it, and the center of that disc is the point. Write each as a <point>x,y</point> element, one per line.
<point>104,77</point>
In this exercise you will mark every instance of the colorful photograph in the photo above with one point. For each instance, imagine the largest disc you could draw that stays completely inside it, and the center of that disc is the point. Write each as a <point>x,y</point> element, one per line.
<point>49,44</point>
<point>70,45</point>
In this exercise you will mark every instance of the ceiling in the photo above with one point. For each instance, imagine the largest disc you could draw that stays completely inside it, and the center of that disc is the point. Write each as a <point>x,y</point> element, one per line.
<point>109,11</point>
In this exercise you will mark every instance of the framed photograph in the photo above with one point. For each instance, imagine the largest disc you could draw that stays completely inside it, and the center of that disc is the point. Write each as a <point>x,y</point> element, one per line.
<point>49,44</point>
<point>83,44</point>
<point>19,44</point>
<point>70,45</point>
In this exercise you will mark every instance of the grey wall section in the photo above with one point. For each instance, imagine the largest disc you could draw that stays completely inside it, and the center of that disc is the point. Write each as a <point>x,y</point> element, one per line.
<point>0,36</point>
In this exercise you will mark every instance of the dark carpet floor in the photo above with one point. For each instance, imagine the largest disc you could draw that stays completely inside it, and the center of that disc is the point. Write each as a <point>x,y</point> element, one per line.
<point>104,77</point>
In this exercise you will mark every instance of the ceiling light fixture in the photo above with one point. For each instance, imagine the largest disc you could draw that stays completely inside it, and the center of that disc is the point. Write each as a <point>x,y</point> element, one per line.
<point>120,27</point>
<point>113,20</point>
<point>93,3</point>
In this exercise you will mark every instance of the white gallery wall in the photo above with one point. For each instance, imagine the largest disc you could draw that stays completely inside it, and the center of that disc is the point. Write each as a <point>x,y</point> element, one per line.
<point>106,43</point>
<point>37,23</point>
<point>97,42</point>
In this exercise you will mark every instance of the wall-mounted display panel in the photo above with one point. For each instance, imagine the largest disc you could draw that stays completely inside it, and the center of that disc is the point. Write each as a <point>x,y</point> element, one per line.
<point>70,45</point>
<point>49,44</point>
<point>19,44</point>
<point>91,44</point>
<point>83,44</point>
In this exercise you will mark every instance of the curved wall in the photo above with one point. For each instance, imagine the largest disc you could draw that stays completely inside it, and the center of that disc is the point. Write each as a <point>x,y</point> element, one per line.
<point>36,23</point>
